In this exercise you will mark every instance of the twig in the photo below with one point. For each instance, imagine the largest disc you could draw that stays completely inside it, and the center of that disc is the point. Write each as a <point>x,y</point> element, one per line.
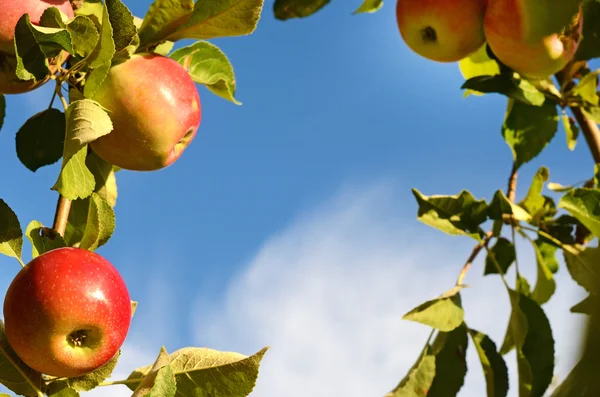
<point>511,192</point>
<point>63,207</point>
<point>476,251</point>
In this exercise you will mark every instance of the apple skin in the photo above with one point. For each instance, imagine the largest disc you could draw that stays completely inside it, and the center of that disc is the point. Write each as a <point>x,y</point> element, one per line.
<point>12,10</point>
<point>442,30</point>
<point>155,109</point>
<point>11,84</point>
<point>512,36</point>
<point>59,295</point>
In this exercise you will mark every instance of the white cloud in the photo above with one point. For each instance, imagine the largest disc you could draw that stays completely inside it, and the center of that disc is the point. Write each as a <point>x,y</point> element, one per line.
<point>328,292</point>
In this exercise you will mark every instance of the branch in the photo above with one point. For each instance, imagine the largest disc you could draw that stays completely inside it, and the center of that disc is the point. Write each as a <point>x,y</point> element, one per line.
<point>511,192</point>
<point>483,244</point>
<point>62,215</point>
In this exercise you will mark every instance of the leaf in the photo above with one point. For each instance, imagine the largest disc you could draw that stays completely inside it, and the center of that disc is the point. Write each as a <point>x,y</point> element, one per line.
<point>477,64</point>
<point>584,267</point>
<point>586,306</point>
<point>444,313</point>
<point>208,65</point>
<point>30,39</point>
<point>582,203</point>
<point>105,49</point>
<point>121,21</point>
<point>77,221</point>
<point>100,224</point>
<point>42,239</point>
<point>288,9</point>
<point>450,362</point>
<point>456,215</point>
<point>494,367</point>
<point>11,234</point>
<point>589,46</point>
<point>557,187</point>
<point>31,60</point>
<point>91,380</point>
<point>40,140</point>
<point>202,371</point>
<point>86,121</point>
<point>94,80</point>
<point>520,90</point>
<point>502,207</point>
<point>504,253</point>
<point>548,253</point>
<point>419,378</point>
<point>10,376</point>
<point>534,202</point>
<point>517,325</point>
<point>586,88</point>
<point>528,129</point>
<point>104,175</point>
<point>369,6</point>
<point>220,18</point>
<point>61,389</point>
<point>162,19</point>
<point>134,306</point>
<point>2,110</point>
<point>160,381</point>
<point>84,35</point>
<point>545,285</point>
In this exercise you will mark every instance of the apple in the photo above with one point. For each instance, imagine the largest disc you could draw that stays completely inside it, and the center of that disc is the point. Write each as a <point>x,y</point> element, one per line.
<point>155,109</point>
<point>67,312</point>
<point>12,10</point>
<point>11,84</point>
<point>519,36</point>
<point>442,30</point>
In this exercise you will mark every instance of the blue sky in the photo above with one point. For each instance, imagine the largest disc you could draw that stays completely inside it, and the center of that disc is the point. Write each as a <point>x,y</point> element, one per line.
<point>289,221</point>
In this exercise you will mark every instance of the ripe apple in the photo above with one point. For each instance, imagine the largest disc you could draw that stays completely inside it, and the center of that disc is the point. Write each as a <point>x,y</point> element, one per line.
<point>155,109</point>
<point>12,10</point>
<point>442,30</point>
<point>11,84</point>
<point>67,312</point>
<point>520,39</point>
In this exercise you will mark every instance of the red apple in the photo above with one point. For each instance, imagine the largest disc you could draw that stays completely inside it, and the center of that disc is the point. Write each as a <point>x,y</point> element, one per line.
<point>67,312</point>
<point>12,10</point>
<point>442,30</point>
<point>155,109</point>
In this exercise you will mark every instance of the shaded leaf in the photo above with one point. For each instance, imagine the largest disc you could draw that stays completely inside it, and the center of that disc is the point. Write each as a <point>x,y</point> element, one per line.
<point>40,140</point>
<point>162,19</point>
<point>478,64</point>
<point>11,234</point>
<point>91,380</point>
<point>548,253</point>
<point>590,43</point>
<point>584,266</point>
<point>494,367</point>
<point>456,215</point>
<point>84,35</point>
<point>104,175</point>
<point>528,129</point>
<point>10,376</point>
<point>43,239</point>
<point>369,6</point>
<point>288,9</point>
<point>160,381</point>
<point>501,207</point>
<point>534,202</point>
<point>545,285</point>
<point>586,306</point>
<point>583,204</point>
<point>2,110</point>
<point>444,313</point>
<point>517,89</point>
<point>61,389</point>
<point>517,325</point>
<point>121,21</point>
<point>419,378</point>
<point>450,349</point>
<point>105,49</point>
<point>504,253</point>
<point>100,224</point>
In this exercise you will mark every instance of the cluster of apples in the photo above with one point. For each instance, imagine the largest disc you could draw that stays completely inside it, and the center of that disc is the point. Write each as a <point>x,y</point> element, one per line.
<point>151,99</point>
<point>531,37</point>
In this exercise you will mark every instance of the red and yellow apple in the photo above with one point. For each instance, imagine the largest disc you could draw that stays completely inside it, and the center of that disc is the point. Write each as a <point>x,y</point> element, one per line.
<point>12,10</point>
<point>442,30</point>
<point>155,109</point>
<point>519,37</point>
<point>67,312</point>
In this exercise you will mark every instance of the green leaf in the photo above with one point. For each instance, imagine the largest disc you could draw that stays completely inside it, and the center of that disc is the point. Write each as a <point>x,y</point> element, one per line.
<point>586,306</point>
<point>517,325</point>
<point>160,381</point>
<point>94,80</point>
<point>288,9</point>
<point>100,224</point>
<point>528,129</point>
<point>162,19</point>
<point>583,204</point>
<point>504,253</point>
<point>40,140</point>
<point>104,175</point>
<point>584,266</point>
<point>419,378</point>
<point>134,306</point>
<point>220,18</point>
<point>31,60</point>
<point>11,234</point>
<point>548,253</point>
<point>105,49</point>
<point>77,221</point>
<point>478,64</point>
<point>10,376</point>
<point>2,110</point>
<point>586,88</point>
<point>208,65</point>
<point>523,286</point>
<point>590,44</point>
<point>121,20</point>
<point>369,6</point>
<point>61,389</point>
<point>444,313</point>
<point>43,239</point>
<point>534,202</point>
<point>50,40</point>
<point>202,371</point>
<point>494,367</point>
<point>456,215</point>
<point>545,285</point>
<point>450,362</point>
<point>84,35</point>
<point>501,207</point>
<point>86,121</point>
<point>571,131</point>
<point>521,90</point>
<point>91,380</point>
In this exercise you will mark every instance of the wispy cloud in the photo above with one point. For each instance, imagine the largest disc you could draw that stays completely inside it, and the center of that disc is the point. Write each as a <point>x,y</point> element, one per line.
<point>327,294</point>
